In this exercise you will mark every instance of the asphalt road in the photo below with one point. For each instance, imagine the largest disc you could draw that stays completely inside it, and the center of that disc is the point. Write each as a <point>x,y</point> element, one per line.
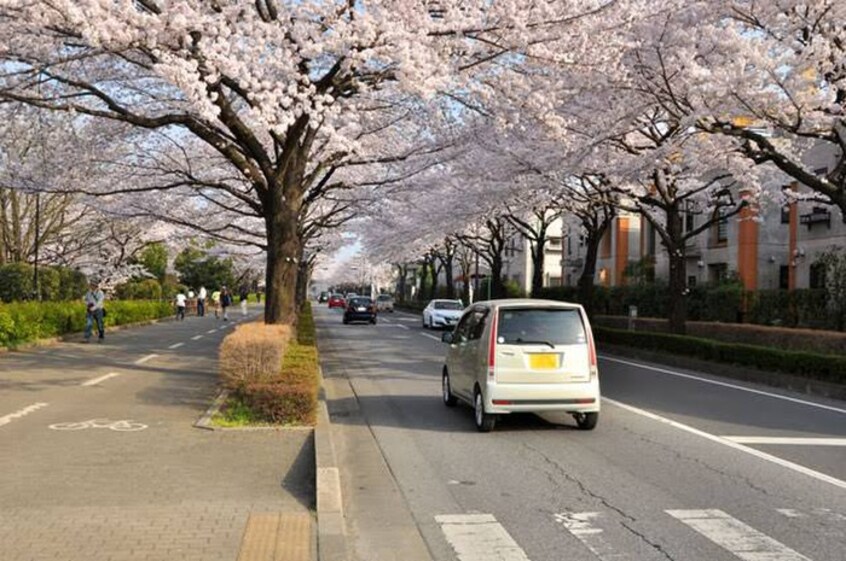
<point>100,460</point>
<point>682,466</point>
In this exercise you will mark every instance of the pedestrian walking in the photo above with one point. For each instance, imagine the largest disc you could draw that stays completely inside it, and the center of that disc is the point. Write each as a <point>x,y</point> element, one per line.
<point>201,301</point>
<point>216,302</point>
<point>245,295</point>
<point>225,302</point>
<point>181,300</point>
<point>94,310</point>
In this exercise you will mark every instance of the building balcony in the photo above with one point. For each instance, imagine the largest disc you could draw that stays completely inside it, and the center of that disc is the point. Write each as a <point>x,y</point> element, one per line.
<point>819,215</point>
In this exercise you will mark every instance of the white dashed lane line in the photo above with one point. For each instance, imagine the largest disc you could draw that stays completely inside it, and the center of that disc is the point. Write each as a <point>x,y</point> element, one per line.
<point>96,381</point>
<point>402,326</point>
<point>176,345</point>
<point>6,419</point>
<point>144,359</point>
<point>431,336</point>
<point>211,331</point>
<point>196,337</point>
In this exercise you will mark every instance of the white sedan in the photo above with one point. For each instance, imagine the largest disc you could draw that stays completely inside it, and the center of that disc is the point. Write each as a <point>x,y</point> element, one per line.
<point>442,314</point>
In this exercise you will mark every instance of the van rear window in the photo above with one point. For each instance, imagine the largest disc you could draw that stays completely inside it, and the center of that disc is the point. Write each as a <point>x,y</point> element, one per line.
<point>533,325</point>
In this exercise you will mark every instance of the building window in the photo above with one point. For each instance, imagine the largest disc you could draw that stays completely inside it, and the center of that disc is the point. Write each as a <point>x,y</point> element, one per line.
<point>720,229</point>
<point>691,281</point>
<point>605,245</point>
<point>569,245</point>
<point>554,242</point>
<point>717,272</point>
<point>784,277</point>
<point>817,278</point>
<point>689,221</point>
<point>785,214</point>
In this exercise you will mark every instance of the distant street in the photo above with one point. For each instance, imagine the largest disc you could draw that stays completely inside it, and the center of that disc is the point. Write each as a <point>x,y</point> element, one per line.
<point>101,461</point>
<point>682,466</point>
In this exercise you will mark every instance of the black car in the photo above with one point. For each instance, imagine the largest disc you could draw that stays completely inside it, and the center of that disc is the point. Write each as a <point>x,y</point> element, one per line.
<point>360,308</point>
<point>324,297</point>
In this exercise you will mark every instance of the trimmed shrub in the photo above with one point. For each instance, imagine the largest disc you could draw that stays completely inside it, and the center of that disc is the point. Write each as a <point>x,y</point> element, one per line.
<point>306,334</point>
<point>284,404</point>
<point>23,322</point>
<point>252,354</point>
<point>828,368</point>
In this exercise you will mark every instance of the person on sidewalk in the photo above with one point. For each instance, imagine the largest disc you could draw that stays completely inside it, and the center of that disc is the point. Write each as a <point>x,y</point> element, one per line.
<point>201,301</point>
<point>245,294</point>
<point>216,303</point>
<point>94,300</point>
<point>181,300</point>
<point>225,302</point>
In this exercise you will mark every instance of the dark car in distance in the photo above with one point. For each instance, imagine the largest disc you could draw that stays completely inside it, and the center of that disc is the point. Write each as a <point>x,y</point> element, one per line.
<point>337,301</point>
<point>360,308</point>
<point>324,297</point>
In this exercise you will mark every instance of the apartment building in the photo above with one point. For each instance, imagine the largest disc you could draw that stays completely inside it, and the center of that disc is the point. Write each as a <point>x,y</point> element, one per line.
<point>766,247</point>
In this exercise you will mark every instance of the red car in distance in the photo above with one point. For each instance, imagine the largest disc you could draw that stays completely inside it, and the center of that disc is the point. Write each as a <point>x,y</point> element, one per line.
<point>337,301</point>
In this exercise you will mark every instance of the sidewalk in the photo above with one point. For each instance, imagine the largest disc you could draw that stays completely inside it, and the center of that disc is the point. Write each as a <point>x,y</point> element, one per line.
<point>167,492</point>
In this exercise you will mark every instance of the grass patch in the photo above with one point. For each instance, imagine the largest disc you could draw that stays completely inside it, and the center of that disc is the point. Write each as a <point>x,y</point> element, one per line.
<point>234,413</point>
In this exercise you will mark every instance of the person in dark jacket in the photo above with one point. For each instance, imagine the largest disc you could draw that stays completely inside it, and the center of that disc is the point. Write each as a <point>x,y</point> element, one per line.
<point>225,302</point>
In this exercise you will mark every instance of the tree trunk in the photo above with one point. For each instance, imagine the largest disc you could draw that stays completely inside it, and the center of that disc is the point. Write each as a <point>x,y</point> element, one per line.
<point>450,282</point>
<point>433,290</point>
<point>283,251</point>
<point>589,271</point>
<point>401,283</point>
<point>465,275</point>
<point>496,284</point>
<point>677,312</point>
<point>302,283</point>
<point>537,266</point>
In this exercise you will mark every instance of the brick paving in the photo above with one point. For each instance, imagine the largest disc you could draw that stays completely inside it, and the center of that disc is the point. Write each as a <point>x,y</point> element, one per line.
<point>168,492</point>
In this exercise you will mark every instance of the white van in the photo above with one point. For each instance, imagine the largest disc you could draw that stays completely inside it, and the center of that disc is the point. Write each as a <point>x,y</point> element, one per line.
<point>523,355</point>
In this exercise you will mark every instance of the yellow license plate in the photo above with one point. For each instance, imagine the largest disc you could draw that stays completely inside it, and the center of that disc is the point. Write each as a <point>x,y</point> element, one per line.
<point>547,361</point>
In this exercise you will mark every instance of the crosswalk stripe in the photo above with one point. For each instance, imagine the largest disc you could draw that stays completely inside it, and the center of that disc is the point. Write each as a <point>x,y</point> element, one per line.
<point>580,525</point>
<point>479,537</point>
<point>741,540</point>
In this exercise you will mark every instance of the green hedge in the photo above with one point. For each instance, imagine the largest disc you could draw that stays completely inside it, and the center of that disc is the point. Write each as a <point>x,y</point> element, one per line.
<point>55,283</point>
<point>828,368</point>
<point>306,334</point>
<point>23,322</point>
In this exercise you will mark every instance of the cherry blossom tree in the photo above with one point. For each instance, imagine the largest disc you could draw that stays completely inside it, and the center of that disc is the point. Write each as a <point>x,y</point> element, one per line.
<point>283,93</point>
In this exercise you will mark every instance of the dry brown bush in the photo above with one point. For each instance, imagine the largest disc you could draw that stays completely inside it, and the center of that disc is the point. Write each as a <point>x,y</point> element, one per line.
<point>253,354</point>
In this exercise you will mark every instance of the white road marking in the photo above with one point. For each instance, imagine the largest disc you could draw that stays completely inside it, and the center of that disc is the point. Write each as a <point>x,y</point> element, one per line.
<point>430,336</point>
<point>479,537</point>
<point>176,345</point>
<point>726,384</point>
<point>579,524</point>
<point>751,451</point>
<point>210,331</point>
<point>6,419</point>
<point>144,359</point>
<point>96,381</point>
<point>401,326</point>
<point>119,426</point>
<point>741,540</point>
<point>790,441</point>
<point>791,513</point>
<point>196,337</point>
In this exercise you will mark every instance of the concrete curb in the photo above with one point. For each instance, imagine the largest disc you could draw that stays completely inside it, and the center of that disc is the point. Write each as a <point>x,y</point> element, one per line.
<point>331,532</point>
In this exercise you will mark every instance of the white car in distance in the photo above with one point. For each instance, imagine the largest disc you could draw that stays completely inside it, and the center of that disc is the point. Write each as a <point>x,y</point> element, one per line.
<point>443,314</point>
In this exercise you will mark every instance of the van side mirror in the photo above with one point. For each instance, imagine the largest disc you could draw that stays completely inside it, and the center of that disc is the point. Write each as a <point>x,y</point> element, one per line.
<point>447,337</point>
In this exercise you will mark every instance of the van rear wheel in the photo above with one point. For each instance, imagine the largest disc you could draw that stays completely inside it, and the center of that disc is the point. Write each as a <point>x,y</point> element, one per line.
<point>484,421</point>
<point>586,421</point>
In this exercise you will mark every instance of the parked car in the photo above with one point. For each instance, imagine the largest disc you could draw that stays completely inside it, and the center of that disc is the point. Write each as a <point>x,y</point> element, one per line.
<point>337,301</point>
<point>523,355</point>
<point>324,297</point>
<point>442,313</point>
<point>385,303</point>
<point>360,308</point>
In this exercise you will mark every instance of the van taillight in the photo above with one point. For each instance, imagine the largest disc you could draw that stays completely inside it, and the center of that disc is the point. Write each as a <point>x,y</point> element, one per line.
<point>492,346</point>
<point>594,367</point>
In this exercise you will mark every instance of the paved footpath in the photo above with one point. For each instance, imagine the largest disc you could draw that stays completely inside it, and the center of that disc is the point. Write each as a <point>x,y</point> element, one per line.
<point>99,460</point>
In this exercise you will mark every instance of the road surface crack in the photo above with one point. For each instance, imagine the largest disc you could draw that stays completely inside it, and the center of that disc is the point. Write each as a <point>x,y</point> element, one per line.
<point>585,490</point>
<point>656,546</point>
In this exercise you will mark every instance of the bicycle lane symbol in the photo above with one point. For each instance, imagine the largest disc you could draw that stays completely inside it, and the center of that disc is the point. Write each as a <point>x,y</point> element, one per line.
<point>119,426</point>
